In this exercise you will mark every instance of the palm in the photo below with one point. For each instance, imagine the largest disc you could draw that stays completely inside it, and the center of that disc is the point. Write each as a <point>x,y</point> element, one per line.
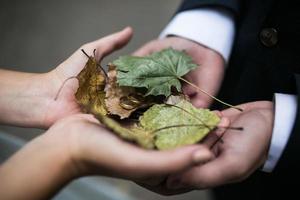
<point>62,83</point>
<point>239,154</point>
<point>63,88</point>
<point>64,105</point>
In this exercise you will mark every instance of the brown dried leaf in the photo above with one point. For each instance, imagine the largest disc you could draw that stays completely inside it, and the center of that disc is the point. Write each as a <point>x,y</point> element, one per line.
<point>115,93</point>
<point>90,93</point>
<point>131,132</point>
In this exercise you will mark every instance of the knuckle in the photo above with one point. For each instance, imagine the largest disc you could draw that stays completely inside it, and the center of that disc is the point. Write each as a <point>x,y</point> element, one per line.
<point>86,46</point>
<point>152,44</point>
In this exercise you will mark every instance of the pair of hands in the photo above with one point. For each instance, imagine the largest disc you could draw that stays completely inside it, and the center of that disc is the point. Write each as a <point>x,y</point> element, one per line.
<point>92,148</point>
<point>75,144</point>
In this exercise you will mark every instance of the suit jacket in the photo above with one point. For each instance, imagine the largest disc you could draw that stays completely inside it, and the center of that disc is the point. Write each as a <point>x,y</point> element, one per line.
<point>265,60</point>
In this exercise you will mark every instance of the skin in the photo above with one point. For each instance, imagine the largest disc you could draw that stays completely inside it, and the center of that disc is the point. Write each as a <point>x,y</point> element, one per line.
<point>240,153</point>
<point>20,91</point>
<point>237,157</point>
<point>208,76</point>
<point>75,144</point>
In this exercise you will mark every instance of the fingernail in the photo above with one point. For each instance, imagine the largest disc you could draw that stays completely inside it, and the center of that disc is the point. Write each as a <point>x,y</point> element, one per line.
<point>217,112</point>
<point>201,156</point>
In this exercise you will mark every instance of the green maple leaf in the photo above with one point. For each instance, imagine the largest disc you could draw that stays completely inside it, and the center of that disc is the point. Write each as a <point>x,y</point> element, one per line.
<point>158,72</point>
<point>178,125</point>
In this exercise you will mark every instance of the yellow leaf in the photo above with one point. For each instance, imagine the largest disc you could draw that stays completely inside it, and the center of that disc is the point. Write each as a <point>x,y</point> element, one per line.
<point>90,93</point>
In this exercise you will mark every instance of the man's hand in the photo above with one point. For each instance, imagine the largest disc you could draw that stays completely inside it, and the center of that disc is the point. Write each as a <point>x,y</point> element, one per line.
<point>208,76</point>
<point>240,153</point>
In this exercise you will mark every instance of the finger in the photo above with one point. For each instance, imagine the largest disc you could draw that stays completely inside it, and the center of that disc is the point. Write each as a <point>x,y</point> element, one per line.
<point>214,173</point>
<point>212,138</point>
<point>233,113</point>
<point>122,159</point>
<point>156,163</point>
<point>217,112</point>
<point>110,43</point>
<point>207,77</point>
<point>146,49</point>
<point>75,63</point>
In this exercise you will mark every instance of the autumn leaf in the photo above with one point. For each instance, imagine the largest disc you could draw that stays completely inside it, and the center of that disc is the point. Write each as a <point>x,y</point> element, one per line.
<point>164,125</point>
<point>131,133</point>
<point>115,93</point>
<point>178,125</point>
<point>158,72</point>
<point>90,93</point>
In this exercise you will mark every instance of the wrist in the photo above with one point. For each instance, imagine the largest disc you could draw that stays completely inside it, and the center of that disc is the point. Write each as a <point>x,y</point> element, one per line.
<point>23,98</point>
<point>66,135</point>
<point>43,167</point>
<point>39,96</point>
<point>56,147</point>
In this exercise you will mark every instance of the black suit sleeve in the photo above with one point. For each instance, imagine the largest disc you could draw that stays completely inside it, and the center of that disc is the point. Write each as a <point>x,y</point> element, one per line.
<point>289,162</point>
<point>232,5</point>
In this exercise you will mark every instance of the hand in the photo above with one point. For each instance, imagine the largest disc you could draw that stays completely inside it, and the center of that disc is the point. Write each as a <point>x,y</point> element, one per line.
<point>77,146</point>
<point>66,104</point>
<point>208,76</point>
<point>158,184</point>
<point>39,100</point>
<point>95,150</point>
<point>240,153</point>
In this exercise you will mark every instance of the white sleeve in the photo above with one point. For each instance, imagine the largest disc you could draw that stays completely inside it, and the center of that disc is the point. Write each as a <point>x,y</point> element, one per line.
<point>285,114</point>
<point>211,27</point>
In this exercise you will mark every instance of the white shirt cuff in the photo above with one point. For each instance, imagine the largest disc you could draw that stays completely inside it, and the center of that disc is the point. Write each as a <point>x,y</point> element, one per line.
<point>211,27</point>
<point>285,115</point>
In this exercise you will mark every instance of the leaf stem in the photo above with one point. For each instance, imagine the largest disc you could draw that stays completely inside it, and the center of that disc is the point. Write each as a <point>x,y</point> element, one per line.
<point>197,125</point>
<point>98,64</point>
<point>209,127</point>
<point>211,96</point>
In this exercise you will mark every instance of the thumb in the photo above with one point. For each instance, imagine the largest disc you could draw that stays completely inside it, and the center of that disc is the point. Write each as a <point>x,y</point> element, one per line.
<point>158,163</point>
<point>110,43</point>
<point>103,46</point>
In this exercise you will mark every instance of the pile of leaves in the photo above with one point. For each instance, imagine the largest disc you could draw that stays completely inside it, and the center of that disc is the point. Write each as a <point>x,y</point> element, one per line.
<point>140,99</point>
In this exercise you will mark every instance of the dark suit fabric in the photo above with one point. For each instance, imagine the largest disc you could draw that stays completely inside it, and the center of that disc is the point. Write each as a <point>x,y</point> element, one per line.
<point>255,72</point>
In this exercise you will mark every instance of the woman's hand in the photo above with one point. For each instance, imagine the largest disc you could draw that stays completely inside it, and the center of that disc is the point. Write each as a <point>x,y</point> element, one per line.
<point>29,100</point>
<point>66,103</point>
<point>77,146</point>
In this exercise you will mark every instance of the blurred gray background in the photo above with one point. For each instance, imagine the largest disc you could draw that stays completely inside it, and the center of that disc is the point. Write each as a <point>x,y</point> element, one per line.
<point>37,35</point>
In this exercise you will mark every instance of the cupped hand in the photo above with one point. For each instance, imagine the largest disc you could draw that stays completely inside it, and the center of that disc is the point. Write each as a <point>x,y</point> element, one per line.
<point>78,146</point>
<point>60,85</point>
<point>208,76</point>
<point>238,155</point>
<point>93,150</point>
